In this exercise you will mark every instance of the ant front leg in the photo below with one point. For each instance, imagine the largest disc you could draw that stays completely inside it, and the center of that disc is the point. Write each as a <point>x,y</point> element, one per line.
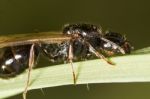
<point>70,58</point>
<point>31,64</point>
<point>101,56</point>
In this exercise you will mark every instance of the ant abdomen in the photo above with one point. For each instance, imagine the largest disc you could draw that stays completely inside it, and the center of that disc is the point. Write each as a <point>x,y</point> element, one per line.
<point>14,60</point>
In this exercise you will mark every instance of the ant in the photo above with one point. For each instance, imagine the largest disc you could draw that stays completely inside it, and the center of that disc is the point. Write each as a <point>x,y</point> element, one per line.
<point>76,42</point>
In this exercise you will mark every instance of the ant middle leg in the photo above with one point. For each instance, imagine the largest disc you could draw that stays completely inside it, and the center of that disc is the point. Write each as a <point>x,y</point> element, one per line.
<point>99,55</point>
<point>70,58</point>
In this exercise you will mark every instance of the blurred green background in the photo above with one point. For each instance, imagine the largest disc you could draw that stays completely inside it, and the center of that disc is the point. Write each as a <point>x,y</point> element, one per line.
<point>130,17</point>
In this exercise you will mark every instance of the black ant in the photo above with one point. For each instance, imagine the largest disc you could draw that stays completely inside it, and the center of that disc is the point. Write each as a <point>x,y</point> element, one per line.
<point>78,41</point>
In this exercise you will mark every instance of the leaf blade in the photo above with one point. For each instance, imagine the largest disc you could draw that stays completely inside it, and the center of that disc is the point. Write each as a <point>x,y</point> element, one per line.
<point>129,68</point>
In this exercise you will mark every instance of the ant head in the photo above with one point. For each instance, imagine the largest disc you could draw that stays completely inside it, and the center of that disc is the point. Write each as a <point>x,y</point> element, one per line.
<point>112,48</point>
<point>127,47</point>
<point>116,43</point>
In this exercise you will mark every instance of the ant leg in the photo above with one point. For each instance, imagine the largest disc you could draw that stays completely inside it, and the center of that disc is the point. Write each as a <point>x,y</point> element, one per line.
<point>91,49</point>
<point>70,57</point>
<point>31,63</point>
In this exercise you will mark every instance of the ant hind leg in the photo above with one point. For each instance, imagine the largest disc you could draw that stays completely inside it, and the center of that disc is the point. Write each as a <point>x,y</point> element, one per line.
<point>31,64</point>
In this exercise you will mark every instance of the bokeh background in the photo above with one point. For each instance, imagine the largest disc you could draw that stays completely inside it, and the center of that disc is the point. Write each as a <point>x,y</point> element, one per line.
<point>130,17</point>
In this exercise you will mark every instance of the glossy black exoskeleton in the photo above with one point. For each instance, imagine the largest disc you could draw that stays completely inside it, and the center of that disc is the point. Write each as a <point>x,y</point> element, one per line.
<point>14,60</point>
<point>92,34</point>
<point>86,32</point>
<point>83,30</point>
<point>58,53</point>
